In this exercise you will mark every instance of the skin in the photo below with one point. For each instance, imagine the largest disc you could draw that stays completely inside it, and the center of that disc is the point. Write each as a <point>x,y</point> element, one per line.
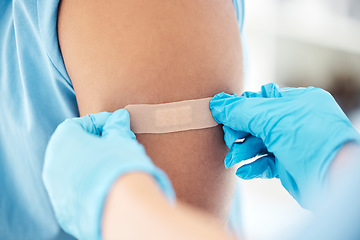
<point>136,203</point>
<point>132,52</point>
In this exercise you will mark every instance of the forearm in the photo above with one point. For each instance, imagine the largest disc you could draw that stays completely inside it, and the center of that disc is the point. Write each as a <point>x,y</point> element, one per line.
<point>136,209</point>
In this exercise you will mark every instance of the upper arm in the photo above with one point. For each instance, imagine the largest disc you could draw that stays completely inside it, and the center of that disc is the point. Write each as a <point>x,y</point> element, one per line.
<point>153,51</point>
<point>132,51</point>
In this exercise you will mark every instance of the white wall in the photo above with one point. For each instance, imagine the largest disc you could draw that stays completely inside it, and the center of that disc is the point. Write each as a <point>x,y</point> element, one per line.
<point>292,40</point>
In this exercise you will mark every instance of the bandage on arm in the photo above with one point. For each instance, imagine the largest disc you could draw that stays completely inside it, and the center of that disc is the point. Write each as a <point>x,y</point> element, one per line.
<point>158,51</point>
<point>171,117</point>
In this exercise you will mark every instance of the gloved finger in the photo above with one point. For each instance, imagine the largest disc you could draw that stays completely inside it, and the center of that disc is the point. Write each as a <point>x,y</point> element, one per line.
<point>93,123</point>
<point>263,167</point>
<point>251,94</point>
<point>251,147</point>
<point>294,92</point>
<point>230,136</point>
<point>251,115</point>
<point>99,120</point>
<point>119,124</point>
<point>269,90</point>
<point>273,91</point>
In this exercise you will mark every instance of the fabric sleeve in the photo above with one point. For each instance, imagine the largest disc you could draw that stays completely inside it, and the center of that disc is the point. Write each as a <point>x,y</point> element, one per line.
<point>47,13</point>
<point>240,13</point>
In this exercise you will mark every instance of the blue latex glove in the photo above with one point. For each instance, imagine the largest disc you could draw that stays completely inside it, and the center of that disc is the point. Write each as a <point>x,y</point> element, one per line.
<point>85,156</point>
<point>300,130</point>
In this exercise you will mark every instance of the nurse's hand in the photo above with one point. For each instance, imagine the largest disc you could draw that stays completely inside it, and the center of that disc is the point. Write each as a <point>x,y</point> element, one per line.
<point>300,129</point>
<point>85,156</point>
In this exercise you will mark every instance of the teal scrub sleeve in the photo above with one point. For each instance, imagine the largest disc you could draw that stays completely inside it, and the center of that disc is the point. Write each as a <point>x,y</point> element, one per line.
<point>47,12</point>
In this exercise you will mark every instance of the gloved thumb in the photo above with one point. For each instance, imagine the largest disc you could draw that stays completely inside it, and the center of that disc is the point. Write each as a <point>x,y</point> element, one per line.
<point>263,167</point>
<point>245,114</point>
<point>118,124</point>
<point>75,127</point>
<point>239,152</point>
<point>93,123</point>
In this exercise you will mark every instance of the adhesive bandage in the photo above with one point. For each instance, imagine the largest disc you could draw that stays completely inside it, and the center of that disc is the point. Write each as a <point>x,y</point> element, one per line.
<point>171,117</point>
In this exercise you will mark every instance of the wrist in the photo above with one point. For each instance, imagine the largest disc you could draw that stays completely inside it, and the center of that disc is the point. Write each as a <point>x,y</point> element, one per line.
<point>133,189</point>
<point>344,160</point>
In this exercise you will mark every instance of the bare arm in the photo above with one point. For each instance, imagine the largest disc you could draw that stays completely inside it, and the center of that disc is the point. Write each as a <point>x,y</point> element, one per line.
<point>154,51</point>
<point>136,209</point>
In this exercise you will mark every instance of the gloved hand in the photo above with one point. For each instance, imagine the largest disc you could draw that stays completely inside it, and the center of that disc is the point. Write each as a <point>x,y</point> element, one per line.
<point>84,157</point>
<point>300,129</point>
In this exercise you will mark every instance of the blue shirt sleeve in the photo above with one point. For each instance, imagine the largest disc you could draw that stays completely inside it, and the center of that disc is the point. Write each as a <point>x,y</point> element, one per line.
<point>47,12</point>
<point>240,13</point>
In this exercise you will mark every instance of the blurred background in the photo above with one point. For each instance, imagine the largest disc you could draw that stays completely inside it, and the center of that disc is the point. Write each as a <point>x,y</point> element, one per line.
<point>298,43</point>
